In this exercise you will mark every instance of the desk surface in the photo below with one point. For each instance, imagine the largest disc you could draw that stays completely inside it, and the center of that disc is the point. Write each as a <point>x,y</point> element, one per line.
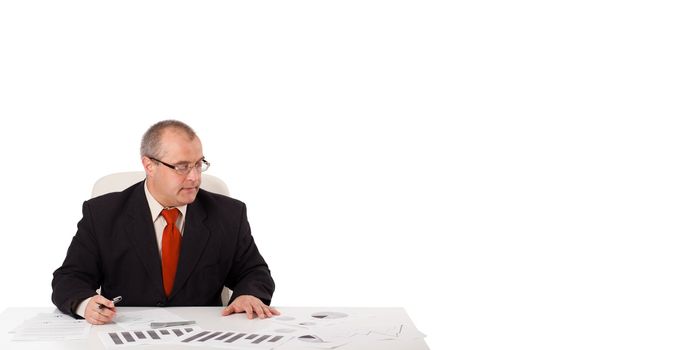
<point>206,317</point>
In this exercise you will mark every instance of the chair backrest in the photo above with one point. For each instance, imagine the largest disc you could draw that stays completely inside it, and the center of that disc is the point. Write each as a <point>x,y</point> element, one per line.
<point>119,181</point>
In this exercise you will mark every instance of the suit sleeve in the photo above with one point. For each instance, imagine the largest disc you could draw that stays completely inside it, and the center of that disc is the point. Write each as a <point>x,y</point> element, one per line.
<point>79,276</point>
<point>249,274</point>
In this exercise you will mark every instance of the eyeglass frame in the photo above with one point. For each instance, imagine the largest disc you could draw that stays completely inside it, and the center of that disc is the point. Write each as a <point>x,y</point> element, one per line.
<point>186,171</point>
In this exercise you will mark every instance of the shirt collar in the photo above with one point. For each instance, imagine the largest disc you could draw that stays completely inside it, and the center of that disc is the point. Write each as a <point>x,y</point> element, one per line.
<point>156,207</point>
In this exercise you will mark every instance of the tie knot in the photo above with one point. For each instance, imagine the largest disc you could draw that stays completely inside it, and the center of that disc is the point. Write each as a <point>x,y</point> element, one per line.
<point>170,215</point>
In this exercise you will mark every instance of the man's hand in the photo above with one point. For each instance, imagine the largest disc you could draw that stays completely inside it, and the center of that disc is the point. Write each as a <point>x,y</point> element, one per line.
<point>250,304</point>
<point>99,310</point>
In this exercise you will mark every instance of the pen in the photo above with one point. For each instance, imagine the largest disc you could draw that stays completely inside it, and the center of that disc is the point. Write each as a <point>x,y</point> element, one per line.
<point>155,325</point>
<point>115,300</point>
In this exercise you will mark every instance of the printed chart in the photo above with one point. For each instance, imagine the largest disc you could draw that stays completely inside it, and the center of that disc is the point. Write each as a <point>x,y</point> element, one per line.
<point>192,336</point>
<point>142,337</point>
<point>234,339</point>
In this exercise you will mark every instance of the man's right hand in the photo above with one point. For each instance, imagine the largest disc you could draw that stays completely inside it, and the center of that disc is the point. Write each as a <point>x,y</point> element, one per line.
<point>99,310</point>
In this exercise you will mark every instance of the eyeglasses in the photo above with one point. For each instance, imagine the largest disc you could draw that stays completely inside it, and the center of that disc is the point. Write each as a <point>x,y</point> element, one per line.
<point>184,169</point>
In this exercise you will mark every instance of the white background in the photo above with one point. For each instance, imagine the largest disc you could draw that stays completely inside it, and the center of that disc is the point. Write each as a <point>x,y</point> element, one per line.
<point>512,173</point>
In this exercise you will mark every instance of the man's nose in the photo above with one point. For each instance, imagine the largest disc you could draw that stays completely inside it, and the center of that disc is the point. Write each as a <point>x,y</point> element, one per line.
<point>194,174</point>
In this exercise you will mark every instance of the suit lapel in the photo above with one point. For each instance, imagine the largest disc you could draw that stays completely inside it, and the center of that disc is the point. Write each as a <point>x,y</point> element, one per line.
<point>141,234</point>
<point>194,241</point>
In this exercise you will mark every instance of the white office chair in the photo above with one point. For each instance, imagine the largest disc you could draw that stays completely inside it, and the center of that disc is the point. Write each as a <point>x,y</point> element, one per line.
<point>119,181</point>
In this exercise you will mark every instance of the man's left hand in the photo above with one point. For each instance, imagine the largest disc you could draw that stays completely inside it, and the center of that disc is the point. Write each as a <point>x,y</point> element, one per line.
<point>250,304</point>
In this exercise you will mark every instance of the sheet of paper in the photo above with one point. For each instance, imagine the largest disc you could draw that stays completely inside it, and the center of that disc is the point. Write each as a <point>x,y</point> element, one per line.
<point>192,336</point>
<point>305,327</point>
<point>332,328</point>
<point>309,320</point>
<point>142,319</point>
<point>52,326</point>
<point>372,331</point>
<point>235,339</point>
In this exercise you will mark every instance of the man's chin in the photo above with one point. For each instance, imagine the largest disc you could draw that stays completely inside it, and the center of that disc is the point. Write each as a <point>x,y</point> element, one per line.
<point>187,196</point>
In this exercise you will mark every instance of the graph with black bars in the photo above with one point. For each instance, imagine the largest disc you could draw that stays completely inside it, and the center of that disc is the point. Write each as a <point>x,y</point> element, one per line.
<point>192,336</point>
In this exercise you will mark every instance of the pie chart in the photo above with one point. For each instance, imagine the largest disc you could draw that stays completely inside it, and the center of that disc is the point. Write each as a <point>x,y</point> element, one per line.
<point>329,315</point>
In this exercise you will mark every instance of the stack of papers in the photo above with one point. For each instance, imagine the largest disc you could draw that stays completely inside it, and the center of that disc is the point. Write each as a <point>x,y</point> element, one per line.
<point>52,327</point>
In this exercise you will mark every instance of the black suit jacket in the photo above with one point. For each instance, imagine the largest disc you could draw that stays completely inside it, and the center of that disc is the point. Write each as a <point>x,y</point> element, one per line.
<point>115,249</point>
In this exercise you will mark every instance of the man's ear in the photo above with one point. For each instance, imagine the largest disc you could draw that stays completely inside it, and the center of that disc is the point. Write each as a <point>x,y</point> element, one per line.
<point>148,165</point>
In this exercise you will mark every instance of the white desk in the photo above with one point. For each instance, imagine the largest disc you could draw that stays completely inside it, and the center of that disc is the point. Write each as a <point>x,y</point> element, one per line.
<point>206,317</point>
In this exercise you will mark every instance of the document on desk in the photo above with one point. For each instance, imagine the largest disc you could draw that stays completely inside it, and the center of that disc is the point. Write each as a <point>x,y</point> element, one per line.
<point>193,336</point>
<point>119,339</point>
<point>52,326</point>
<point>330,329</point>
<point>142,319</point>
<point>235,339</point>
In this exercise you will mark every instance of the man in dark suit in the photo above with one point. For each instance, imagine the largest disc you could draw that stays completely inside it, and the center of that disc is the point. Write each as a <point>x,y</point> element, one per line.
<point>163,241</point>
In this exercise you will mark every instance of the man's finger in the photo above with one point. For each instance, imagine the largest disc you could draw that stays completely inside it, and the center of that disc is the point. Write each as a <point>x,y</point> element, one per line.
<point>229,310</point>
<point>102,302</point>
<point>102,317</point>
<point>101,309</point>
<point>266,310</point>
<point>95,319</point>
<point>249,311</point>
<point>260,312</point>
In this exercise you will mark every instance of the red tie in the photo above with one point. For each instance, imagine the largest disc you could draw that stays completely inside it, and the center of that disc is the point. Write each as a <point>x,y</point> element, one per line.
<point>172,241</point>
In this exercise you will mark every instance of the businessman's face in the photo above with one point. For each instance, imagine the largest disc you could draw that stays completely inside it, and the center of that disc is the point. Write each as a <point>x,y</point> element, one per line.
<point>167,185</point>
